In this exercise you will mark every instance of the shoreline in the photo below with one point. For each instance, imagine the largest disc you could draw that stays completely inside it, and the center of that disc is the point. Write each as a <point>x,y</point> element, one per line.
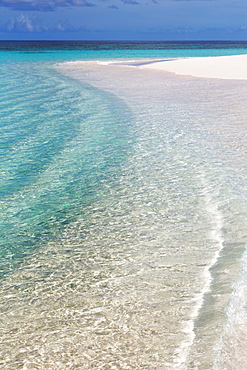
<point>232,67</point>
<point>172,110</point>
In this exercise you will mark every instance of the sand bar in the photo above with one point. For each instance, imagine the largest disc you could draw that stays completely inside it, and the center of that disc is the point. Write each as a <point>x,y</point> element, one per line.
<point>232,67</point>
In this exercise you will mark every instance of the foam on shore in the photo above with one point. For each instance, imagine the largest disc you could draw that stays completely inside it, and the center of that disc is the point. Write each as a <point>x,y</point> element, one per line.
<point>226,67</point>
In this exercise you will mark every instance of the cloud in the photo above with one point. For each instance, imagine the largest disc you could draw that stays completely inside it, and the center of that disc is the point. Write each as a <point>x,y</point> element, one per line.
<point>131,2</point>
<point>51,5</point>
<point>26,24</point>
<point>22,23</point>
<point>243,27</point>
<point>113,7</point>
<point>43,5</point>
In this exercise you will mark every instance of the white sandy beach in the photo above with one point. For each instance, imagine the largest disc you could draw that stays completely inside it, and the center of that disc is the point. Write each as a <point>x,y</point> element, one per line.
<point>232,67</point>
<point>223,67</point>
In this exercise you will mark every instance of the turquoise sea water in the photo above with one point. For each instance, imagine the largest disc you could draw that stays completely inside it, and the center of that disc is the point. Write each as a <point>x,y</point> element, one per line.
<point>123,210</point>
<point>49,152</point>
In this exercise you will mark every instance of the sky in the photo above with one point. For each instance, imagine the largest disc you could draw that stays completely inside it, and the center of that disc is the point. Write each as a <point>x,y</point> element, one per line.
<point>123,20</point>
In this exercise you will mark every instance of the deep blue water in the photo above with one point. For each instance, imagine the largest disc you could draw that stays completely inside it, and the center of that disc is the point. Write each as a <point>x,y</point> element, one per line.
<point>17,51</point>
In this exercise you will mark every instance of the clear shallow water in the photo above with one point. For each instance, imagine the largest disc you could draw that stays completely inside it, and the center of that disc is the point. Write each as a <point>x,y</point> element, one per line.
<point>52,140</point>
<point>123,218</point>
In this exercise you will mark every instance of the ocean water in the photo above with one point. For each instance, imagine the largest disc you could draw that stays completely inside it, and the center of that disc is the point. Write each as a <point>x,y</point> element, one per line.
<point>123,210</point>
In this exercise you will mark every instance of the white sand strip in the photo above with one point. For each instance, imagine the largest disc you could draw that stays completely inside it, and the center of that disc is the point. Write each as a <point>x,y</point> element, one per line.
<point>224,67</point>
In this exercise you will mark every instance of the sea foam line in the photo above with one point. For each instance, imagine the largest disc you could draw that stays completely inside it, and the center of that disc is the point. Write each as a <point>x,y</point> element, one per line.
<point>216,236</point>
<point>232,343</point>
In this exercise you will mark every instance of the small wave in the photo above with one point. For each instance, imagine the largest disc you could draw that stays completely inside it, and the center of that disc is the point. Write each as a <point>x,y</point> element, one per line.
<point>215,235</point>
<point>231,347</point>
